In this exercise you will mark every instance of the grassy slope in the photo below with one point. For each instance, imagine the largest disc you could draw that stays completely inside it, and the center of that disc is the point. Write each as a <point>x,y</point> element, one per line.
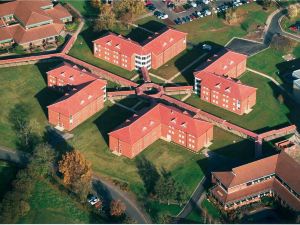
<point>50,205</point>
<point>266,114</point>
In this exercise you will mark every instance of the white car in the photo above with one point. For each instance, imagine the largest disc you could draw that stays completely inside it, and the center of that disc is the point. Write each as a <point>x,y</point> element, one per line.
<point>193,4</point>
<point>163,16</point>
<point>206,2</point>
<point>207,12</point>
<point>93,200</point>
<point>206,47</point>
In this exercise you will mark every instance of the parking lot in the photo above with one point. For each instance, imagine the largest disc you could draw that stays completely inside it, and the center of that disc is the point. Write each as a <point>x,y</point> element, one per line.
<point>189,14</point>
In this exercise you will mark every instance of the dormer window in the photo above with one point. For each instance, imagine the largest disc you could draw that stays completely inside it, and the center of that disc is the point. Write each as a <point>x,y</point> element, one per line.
<point>183,124</point>
<point>90,96</point>
<point>81,102</point>
<point>108,43</point>
<point>173,120</point>
<point>118,46</point>
<point>228,89</point>
<point>151,123</point>
<point>225,67</point>
<point>231,62</point>
<point>218,85</point>
<point>144,129</point>
<point>62,74</point>
<point>71,77</point>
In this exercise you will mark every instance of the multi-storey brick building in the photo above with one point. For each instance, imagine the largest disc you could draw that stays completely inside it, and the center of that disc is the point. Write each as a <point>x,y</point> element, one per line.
<point>30,23</point>
<point>161,121</point>
<point>131,55</point>
<point>215,82</point>
<point>274,176</point>
<point>65,77</point>
<point>85,97</point>
<point>225,92</point>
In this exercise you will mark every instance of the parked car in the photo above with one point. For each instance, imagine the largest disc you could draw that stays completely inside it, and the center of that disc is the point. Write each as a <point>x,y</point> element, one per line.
<point>188,18</point>
<point>207,47</point>
<point>151,7</point>
<point>193,4</point>
<point>205,2</point>
<point>207,12</point>
<point>92,199</point>
<point>184,20</point>
<point>163,16</point>
<point>192,17</point>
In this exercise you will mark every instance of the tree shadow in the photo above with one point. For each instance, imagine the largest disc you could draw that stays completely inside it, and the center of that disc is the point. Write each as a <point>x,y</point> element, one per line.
<point>148,173</point>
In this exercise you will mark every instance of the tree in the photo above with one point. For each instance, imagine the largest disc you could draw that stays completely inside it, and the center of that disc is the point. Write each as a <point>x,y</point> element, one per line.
<point>148,173</point>
<point>77,173</point>
<point>117,208</point>
<point>265,3</point>
<point>231,16</point>
<point>42,159</point>
<point>95,3</point>
<point>24,128</point>
<point>165,219</point>
<point>106,19</point>
<point>292,11</point>
<point>282,43</point>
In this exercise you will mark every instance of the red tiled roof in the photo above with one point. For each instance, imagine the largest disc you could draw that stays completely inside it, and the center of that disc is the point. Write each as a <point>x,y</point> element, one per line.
<point>157,45</point>
<point>5,33</point>
<point>72,74</point>
<point>163,41</point>
<point>220,65</point>
<point>247,172</point>
<point>140,125</point>
<point>58,12</point>
<point>225,85</point>
<point>74,102</point>
<point>120,44</point>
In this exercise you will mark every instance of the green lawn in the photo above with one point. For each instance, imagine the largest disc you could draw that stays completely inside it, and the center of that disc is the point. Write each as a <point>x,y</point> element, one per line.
<point>270,61</point>
<point>26,84</point>
<point>50,205</point>
<point>194,217</point>
<point>267,113</point>
<point>211,209</point>
<point>83,6</point>
<point>7,174</point>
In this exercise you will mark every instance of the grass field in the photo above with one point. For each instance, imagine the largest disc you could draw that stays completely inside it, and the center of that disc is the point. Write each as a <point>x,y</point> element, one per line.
<point>267,113</point>
<point>50,205</point>
<point>271,62</point>
<point>211,209</point>
<point>7,174</point>
<point>26,84</point>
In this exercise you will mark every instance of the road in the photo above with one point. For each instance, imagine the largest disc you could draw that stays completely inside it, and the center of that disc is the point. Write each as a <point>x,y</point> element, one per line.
<point>249,47</point>
<point>99,185</point>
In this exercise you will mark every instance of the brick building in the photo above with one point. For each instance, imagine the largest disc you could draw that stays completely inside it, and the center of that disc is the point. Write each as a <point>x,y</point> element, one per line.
<point>67,76</point>
<point>225,92</point>
<point>216,82</point>
<point>274,176</point>
<point>30,23</point>
<point>131,55</point>
<point>161,121</point>
<point>85,96</point>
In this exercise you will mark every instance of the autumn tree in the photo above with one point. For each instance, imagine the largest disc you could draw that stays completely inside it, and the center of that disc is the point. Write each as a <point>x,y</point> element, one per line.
<point>77,173</point>
<point>231,16</point>
<point>95,3</point>
<point>117,208</point>
<point>106,19</point>
<point>128,10</point>
<point>292,11</point>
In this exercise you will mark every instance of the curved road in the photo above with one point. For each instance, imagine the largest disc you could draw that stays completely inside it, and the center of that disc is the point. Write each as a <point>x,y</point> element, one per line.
<point>250,47</point>
<point>99,186</point>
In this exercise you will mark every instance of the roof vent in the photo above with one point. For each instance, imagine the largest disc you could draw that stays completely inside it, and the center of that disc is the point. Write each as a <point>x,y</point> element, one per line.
<point>151,123</point>
<point>231,62</point>
<point>81,102</point>
<point>218,85</point>
<point>90,96</point>
<point>171,39</point>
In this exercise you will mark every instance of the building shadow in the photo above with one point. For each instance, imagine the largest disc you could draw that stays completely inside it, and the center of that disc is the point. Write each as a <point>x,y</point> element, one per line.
<point>154,26</point>
<point>110,119</point>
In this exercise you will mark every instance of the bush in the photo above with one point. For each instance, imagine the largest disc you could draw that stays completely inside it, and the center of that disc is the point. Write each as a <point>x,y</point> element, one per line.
<point>60,40</point>
<point>18,49</point>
